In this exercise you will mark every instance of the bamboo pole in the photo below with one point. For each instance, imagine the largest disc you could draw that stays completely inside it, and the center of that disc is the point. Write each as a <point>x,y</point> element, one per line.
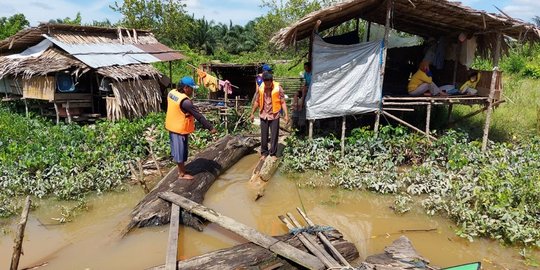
<point>457,55</point>
<point>343,130</point>
<point>324,239</point>
<point>496,57</point>
<point>449,116</point>
<point>281,248</point>
<point>310,132</point>
<point>428,119</point>
<point>17,249</point>
<point>57,113</point>
<point>26,107</point>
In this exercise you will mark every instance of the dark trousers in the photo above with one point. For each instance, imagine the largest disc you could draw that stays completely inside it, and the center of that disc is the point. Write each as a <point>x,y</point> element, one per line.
<point>273,126</point>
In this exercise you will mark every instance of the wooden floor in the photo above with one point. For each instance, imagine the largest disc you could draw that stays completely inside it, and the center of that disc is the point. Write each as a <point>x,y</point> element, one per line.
<point>435,100</point>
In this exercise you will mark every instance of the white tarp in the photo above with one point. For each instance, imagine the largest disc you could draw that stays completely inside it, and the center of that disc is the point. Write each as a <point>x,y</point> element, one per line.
<point>33,51</point>
<point>346,79</point>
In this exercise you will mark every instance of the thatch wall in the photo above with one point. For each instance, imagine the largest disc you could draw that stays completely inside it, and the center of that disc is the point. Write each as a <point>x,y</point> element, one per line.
<point>136,98</point>
<point>129,72</point>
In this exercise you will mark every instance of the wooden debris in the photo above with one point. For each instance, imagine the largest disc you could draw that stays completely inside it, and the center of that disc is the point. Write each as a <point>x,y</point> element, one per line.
<point>400,255</point>
<point>285,250</point>
<point>205,167</point>
<point>17,249</point>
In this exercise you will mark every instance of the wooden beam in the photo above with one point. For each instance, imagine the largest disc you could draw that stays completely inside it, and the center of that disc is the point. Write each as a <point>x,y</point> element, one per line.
<point>496,58</point>
<point>408,125</point>
<point>17,249</point>
<point>172,247</point>
<point>270,243</point>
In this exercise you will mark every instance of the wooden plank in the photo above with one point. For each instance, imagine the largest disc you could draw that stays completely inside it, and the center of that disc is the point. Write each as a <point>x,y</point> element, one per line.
<point>172,250</point>
<point>73,96</point>
<point>324,239</point>
<point>270,243</point>
<point>17,249</point>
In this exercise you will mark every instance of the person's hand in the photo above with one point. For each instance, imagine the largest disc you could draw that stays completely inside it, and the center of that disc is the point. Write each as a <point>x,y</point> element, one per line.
<point>213,131</point>
<point>252,117</point>
<point>286,118</point>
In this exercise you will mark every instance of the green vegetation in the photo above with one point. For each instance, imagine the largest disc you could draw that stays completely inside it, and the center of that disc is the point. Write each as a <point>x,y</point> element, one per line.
<point>494,194</point>
<point>67,161</point>
<point>10,26</point>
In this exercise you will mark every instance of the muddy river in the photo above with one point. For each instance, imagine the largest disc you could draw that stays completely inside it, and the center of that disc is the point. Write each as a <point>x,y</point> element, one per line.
<point>91,242</point>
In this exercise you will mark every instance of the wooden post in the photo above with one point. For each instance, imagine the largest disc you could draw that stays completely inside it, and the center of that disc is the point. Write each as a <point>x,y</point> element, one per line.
<point>449,116</point>
<point>68,112</point>
<point>285,250</point>
<point>457,55</point>
<point>368,31</point>
<point>26,107</point>
<point>17,249</point>
<point>389,4</point>
<point>311,38</point>
<point>496,57</point>
<point>428,118</point>
<point>57,112</point>
<point>226,113</point>
<point>343,130</point>
<point>310,132</point>
<point>172,248</point>
<point>170,73</point>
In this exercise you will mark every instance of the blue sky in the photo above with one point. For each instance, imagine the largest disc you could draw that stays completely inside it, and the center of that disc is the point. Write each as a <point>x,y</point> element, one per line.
<point>239,11</point>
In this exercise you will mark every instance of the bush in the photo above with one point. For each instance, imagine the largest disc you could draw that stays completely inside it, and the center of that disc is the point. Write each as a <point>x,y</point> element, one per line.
<point>494,194</point>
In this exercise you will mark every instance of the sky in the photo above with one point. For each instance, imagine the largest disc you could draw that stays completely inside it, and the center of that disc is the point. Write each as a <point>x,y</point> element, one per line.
<point>237,11</point>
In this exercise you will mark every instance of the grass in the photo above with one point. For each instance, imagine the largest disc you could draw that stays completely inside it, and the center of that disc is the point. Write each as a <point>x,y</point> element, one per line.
<point>518,117</point>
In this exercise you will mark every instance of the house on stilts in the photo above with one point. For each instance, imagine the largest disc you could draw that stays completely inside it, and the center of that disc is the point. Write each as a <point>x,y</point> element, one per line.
<point>75,72</point>
<point>371,75</point>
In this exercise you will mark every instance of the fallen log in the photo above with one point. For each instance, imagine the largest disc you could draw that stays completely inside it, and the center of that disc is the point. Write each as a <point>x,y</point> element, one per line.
<point>206,166</point>
<point>252,256</point>
<point>264,170</point>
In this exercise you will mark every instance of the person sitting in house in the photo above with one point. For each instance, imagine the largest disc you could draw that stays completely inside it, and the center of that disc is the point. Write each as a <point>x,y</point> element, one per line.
<point>469,87</point>
<point>422,81</point>
<point>300,96</point>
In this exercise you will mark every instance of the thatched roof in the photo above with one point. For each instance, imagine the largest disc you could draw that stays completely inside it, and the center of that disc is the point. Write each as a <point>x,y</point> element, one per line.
<point>113,52</point>
<point>426,18</point>
<point>52,60</point>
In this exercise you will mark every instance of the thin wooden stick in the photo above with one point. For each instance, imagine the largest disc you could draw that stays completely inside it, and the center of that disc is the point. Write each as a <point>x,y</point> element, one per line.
<point>407,124</point>
<point>324,239</point>
<point>496,57</point>
<point>17,249</point>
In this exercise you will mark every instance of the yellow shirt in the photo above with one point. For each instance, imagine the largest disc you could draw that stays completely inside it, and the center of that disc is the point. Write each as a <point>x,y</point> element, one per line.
<point>417,79</point>
<point>470,84</point>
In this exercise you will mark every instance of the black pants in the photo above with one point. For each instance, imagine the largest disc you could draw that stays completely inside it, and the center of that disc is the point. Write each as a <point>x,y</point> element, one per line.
<point>273,126</point>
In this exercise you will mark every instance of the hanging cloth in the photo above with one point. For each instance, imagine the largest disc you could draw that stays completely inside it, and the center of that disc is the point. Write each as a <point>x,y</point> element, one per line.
<point>226,86</point>
<point>211,83</point>
<point>201,74</point>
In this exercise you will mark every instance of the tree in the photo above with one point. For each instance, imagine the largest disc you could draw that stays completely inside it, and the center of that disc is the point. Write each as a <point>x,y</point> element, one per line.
<point>10,26</point>
<point>166,18</point>
<point>67,20</point>
<point>536,20</point>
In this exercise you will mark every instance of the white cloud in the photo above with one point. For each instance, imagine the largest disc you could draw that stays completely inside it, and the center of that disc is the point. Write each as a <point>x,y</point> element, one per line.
<point>37,11</point>
<point>523,9</point>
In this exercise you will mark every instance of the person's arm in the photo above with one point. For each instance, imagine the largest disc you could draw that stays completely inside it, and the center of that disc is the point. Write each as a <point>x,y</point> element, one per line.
<point>284,104</point>
<point>188,107</point>
<point>425,78</point>
<point>255,105</point>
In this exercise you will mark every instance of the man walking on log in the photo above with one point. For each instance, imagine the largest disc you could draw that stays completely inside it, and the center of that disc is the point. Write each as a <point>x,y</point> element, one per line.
<point>270,100</point>
<point>180,122</point>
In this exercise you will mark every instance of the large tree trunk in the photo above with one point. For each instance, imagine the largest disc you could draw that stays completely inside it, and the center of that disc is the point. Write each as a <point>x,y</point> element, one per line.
<point>205,167</point>
<point>252,256</point>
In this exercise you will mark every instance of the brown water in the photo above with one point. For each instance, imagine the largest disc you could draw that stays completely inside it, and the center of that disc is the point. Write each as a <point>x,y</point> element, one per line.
<point>91,240</point>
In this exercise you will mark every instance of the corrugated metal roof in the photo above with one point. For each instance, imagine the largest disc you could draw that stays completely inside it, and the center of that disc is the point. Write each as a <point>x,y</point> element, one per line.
<point>104,55</point>
<point>161,51</point>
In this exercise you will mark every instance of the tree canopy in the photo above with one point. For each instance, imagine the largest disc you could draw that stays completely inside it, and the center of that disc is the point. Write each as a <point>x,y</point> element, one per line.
<point>10,26</point>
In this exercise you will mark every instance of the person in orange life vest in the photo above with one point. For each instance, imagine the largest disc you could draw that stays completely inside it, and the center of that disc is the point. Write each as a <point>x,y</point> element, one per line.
<point>270,100</point>
<point>180,122</point>
<point>265,68</point>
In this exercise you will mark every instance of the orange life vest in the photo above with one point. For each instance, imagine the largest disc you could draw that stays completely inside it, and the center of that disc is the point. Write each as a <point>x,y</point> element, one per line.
<point>276,100</point>
<point>176,120</point>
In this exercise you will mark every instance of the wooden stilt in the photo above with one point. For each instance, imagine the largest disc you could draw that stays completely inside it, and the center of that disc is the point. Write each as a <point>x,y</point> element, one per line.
<point>17,249</point>
<point>457,54</point>
<point>343,130</point>
<point>68,112</point>
<point>449,116</point>
<point>377,121</point>
<point>389,4</point>
<point>172,248</point>
<point>57,113</point>
<point>310,132</point>
<point>428,119</point>
<point>368,31</point>
<point>270,243</point>
<point>496,57</point>
<point>408,125</point>
<point>26,107</point>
